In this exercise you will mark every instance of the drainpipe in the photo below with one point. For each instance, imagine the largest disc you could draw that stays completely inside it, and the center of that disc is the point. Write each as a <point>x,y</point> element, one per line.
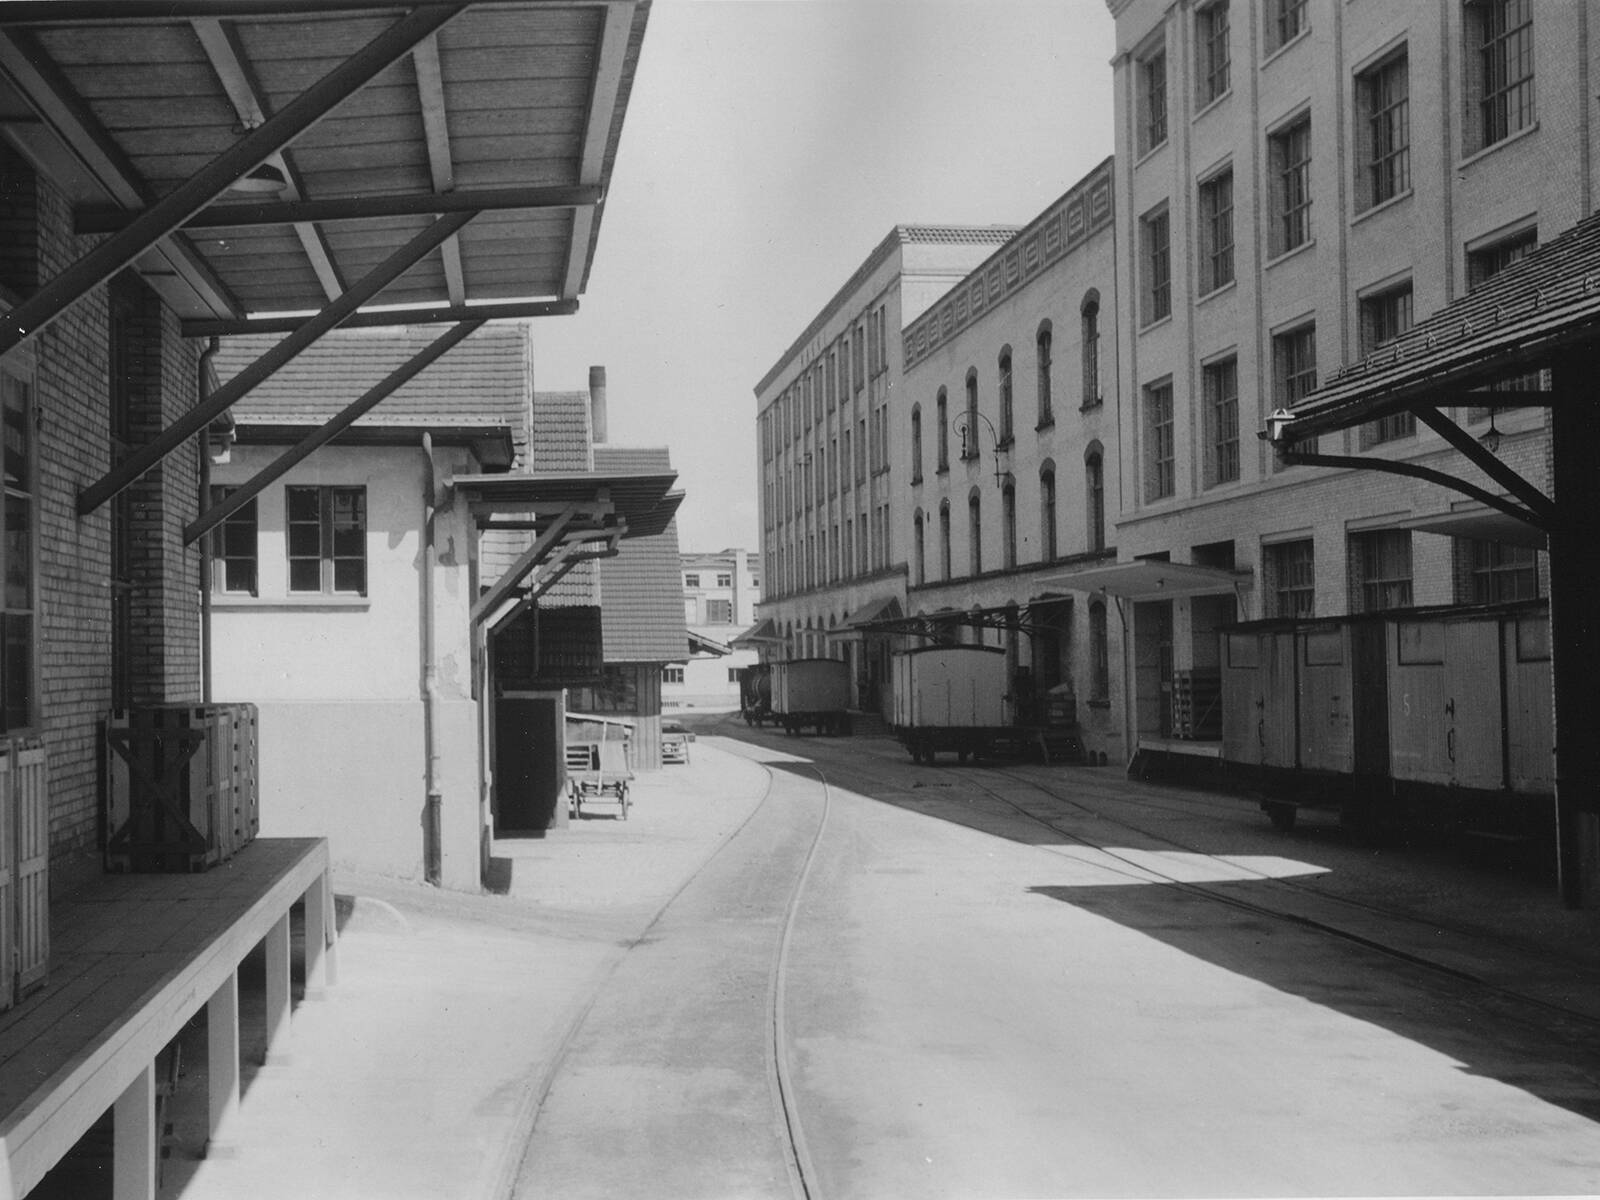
<point>432,837</point>
<point>203,439</point>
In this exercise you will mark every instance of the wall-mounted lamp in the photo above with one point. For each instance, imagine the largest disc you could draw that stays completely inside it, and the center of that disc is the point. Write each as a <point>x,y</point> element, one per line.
<point>961,423</point>
<point>1278,422</point>
<point>1490,440</point>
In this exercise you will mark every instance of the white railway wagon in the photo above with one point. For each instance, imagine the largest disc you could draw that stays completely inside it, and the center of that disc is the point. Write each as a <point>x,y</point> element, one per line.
<point>812,693</point>
<point>949,698</point>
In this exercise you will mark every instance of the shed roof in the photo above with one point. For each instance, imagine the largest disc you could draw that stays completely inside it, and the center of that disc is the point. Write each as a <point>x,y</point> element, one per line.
<point>641,589</point>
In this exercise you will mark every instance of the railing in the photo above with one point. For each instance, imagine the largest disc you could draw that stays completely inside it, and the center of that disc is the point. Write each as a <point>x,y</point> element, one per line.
<point>181,786</point>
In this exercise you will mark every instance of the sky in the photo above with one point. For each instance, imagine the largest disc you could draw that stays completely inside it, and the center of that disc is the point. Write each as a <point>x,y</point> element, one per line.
<point>768,147</point>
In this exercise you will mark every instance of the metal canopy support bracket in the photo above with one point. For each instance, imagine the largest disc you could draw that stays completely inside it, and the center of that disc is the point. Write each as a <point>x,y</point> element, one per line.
<point>509,310</point>
<point>335,425</point>
<point>1412,470</point>
<point>518,571</point>
<point>206,184</point>
<point>563,561</point>
<point>202,414</point>
<point>1490,464</point>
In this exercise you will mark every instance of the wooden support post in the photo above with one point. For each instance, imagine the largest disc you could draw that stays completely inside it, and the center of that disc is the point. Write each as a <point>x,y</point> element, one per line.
<point>277,944</point>
<point>133,1168</point>
<point>222,1056</point>
<point>318,960</point>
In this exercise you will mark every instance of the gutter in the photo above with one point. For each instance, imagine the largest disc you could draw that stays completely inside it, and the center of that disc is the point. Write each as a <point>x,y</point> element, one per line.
<point>433,802</point>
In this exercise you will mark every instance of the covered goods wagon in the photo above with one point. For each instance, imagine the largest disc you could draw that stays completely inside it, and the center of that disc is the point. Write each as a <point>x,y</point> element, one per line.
<point>949,698</point>
<point>811,693</point>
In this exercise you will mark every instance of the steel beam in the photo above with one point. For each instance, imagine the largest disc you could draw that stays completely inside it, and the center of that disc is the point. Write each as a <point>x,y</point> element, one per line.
<point>1490,464</point>
<point>206,184</point>
<point>335,425</point>
<point>202,414</point>
<point>518,571</point>
<point>1414,471</point>
<point>616,31</point>
<point>245,215</point>
<point>436,315</point>
<point>99,12</point>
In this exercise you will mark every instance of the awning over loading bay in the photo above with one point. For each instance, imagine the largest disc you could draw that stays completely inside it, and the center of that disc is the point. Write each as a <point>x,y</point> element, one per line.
<point>1147,579</point>
<point>281,166</point>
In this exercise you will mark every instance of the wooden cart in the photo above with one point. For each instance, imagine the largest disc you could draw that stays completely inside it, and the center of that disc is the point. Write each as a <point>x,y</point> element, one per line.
<point>598,772</point>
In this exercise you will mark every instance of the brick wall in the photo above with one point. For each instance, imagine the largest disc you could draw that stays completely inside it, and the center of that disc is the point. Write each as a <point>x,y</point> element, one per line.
<point>71,364</point>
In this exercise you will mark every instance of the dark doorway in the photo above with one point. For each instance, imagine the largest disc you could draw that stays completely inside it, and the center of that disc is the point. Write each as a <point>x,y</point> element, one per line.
<point>527,764</point>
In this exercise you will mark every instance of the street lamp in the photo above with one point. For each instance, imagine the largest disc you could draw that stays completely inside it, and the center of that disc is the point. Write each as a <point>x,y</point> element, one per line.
<point>961,423</point>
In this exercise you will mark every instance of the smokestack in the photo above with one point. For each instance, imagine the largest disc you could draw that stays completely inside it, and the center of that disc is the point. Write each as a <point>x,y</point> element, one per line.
<point>597,403</point>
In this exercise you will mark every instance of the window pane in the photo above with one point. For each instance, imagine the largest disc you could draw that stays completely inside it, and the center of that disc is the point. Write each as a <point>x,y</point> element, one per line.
<point>17,474</point>
<point>305,541</point>
<point>303,504</point>
<point>17,669</point>
<point>239,575</point>
<point>305,575</point>
<point>350,575</point>
<point>19,553</point>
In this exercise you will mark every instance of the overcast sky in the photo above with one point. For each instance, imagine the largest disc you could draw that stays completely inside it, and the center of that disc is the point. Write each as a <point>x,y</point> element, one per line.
<point>769,146</point>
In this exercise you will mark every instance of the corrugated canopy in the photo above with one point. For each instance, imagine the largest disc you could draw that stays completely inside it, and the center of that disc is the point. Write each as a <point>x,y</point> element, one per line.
<point>643,502</point>
<point>263,156</point>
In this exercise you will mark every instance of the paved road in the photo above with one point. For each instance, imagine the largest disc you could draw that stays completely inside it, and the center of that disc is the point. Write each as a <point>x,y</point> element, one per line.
<point>914,981</point>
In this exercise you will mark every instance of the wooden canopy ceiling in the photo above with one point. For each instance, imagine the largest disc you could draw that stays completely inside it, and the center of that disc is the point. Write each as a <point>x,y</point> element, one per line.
<point>257,157</point>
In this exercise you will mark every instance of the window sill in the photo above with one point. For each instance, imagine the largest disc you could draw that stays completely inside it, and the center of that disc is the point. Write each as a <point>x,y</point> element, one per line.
<point>1382,206</point>
<point>315,602</point>
<point>1043,425</point>
<point>1294,252</point>
<point>1485,151</point>
<point>1155,324</point>
<point>1147,154</point>
<point>1220,290</point>
<point>1277,51</point>
<point>1207,105</point>
<point>943,470</point>
<point>1091,404</point>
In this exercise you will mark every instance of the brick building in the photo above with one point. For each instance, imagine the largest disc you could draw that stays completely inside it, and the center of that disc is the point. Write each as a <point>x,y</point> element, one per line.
<point>1299,182</point>
<point>831,486</point>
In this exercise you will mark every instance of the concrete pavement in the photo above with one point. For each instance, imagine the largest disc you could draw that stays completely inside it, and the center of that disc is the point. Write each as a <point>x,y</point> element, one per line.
<point>420,1073</point>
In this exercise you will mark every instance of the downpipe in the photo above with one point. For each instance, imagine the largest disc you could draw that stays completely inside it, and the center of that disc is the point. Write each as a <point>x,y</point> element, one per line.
<point>433,804</point>
<point>203,440</point>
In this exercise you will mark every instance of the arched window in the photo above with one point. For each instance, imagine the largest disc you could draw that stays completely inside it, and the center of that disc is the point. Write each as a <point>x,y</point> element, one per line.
<point>916,443</point>
<point>1042,343</point>
<point>969,443</point>
<point>1008,523</point>
<point>1095,498</point>
<point>944,539</point>
<point>1099,658</point>
<point>1006,431</point>
<point>942,413</point>
<point>919,559</point>
<point>1048,543</point>
<point>1091,349</point>
<point>975,533</point>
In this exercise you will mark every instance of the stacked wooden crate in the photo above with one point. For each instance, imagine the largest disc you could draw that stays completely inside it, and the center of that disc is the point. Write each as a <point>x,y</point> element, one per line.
<point>181,786</point>
<point>1197,704</point>
<point>24,868</point>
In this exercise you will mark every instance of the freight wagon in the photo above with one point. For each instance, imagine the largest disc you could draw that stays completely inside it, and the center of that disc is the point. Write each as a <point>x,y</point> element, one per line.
<point>950,699</point>
<point>1429,716</point>
<point>755,693</point>
<point>811,693</point>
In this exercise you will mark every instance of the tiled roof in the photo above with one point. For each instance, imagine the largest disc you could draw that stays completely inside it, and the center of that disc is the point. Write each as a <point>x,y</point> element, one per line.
<point>1549,299</point>
<point>483,381</point>
<point>560,432</point>
<point>641,589</point>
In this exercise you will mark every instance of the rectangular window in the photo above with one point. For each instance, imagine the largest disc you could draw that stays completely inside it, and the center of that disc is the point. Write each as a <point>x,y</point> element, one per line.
<point>1156,256</point>
<point>1289,158</point>
<point>1290,569</point>
<point>1383,127</point>
<point>1380,562</point>
<point>1221,382</point>
<point>1160,451</point>
<point>327,531</point>
<point>1286,20</point>
<point>724,579</point>
<point>1501,33</point>
<point>671,674</point>
<point>719,612</point>
<point>1294,365</point>
<point>1385,317</point>
<point>691,580</point>
<point>1211,48</point>
<point>1493,572</point>
<point>233,547</point>
<point>1483,265</point>
<point>1152,100</point>
<point>18,701</point>
<point>1216,232</point>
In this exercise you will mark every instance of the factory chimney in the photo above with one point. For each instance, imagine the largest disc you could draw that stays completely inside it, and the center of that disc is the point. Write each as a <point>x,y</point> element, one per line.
<point>597,404</point>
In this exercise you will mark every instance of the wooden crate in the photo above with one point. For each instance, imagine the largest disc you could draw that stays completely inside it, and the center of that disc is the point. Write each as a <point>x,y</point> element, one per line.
<point>180,786</point>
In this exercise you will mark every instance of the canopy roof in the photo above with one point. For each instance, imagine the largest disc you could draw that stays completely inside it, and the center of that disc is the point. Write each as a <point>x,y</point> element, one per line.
<point>762,632</point>
<point>1533,309</point>
<point>262,156</point>
<point>1151,580</point>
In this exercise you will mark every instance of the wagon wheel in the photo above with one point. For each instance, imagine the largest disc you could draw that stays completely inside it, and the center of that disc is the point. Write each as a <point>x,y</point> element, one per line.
<point>1281,815</point>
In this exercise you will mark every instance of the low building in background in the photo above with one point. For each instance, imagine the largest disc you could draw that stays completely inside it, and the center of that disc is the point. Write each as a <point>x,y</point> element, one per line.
<point>720,594</point>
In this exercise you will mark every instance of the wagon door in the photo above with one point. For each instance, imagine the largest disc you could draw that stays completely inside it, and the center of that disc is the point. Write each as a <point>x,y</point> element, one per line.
<point>1530,720</point>
<point>1242,691</point>
<point>1475,727</point>
<point>1280,701</point>
<point>1325,701</point>
<point>1369,669</point>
